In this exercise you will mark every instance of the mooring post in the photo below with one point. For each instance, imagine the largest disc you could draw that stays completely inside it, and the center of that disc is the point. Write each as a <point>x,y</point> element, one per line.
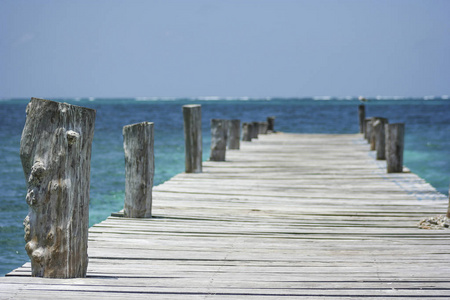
<point>192,116</point>
<point>271,124</point>
<point>368,129</point>
<point>234,134</point>
<point>255,130</point>
<point>380,137</point>
<point>373,137</point>
<point>394,147</point>
<point>55,150</point>
<point>263,127</point>
<point>247,132</point>
<point>138,145</point>
<point>362,117</point>
<point>218,140</point>
<point>448,210</point>
<point>227,124</point>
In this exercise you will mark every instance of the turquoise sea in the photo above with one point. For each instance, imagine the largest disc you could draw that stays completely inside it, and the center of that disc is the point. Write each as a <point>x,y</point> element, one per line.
<point>427,144</point>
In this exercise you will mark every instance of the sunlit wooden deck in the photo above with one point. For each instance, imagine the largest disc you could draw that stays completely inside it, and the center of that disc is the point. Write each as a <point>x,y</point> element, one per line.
<point>287,216</point>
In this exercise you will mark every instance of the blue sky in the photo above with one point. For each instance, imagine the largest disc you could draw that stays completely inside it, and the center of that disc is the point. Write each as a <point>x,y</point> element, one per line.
<point>233,48</point>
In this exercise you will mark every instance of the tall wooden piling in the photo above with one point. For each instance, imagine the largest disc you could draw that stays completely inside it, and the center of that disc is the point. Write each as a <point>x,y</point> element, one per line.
<point>394,147</point>
<point>234,134</point>
<point>255,130</point>
<point>218,140</point>
<point>192,116</point>
<point>380,137</point>
<point>55,150</point>
<point>362,117</point>
<point>271,124</point>
<point>138,144</point>
<point>247,132</point>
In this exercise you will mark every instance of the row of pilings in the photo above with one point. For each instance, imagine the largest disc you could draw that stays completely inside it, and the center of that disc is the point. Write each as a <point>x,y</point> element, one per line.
<point>387,140</point>
<point>55,151</point>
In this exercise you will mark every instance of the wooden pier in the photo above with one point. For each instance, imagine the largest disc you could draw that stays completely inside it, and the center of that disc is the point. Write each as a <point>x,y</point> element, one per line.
<point>288,216</point>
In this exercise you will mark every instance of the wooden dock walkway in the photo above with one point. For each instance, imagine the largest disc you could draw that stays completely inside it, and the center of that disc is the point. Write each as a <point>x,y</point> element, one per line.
<point>288,216</point>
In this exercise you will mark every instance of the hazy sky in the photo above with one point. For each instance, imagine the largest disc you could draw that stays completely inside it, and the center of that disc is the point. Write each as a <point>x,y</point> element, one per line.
<point>256,48</point>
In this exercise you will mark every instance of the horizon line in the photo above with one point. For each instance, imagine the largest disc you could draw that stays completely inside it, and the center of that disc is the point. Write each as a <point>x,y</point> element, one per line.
<point>241,98</point>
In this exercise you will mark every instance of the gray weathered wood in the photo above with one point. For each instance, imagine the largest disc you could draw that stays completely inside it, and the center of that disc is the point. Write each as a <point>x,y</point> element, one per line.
<point>255,130</point>
<point>271,124</point>
<point>192,116</point>
<point>448,210</point>
<point>366,120</point>
<point>368,127</point>
<point>218,139</point>
<point>138,144</point>
<point>227,126</point>
<point>234,134</point>
<point>55,150</point>
<point>394,147</point>
<point>247,131</point>
<point>380,137</point>
<point>371,133</point>
<point>361,117</point>
<point>263,126</point>
<point>373,136</point>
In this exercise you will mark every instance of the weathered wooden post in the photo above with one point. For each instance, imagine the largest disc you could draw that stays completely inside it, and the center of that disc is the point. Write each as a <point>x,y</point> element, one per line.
<point>365,128</point>
<point>394,147</point>
<point>218,140</point>
<point>271,124</point>
<point>448,210</point>
<point>380,137</point>
<point>227,125</point>
<point>368,129</point>
<point>362,117</point>
<point>247,132</point>
<point>373,137</point>
<point>255,130</point>
<point>138,145</point>
<point>234,134</point>
<point>55,150</point>
<point>263,127</point>
<point>192,115</point>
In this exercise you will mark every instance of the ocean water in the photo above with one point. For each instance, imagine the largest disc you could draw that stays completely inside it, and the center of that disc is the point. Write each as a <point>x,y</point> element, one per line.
<point>427,144</point>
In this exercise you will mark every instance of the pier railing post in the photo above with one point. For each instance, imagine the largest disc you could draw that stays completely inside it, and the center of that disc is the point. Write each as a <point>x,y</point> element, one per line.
<point>373,135</point>
<point>263,127</point>
<point>138,144</point>
<point>218,139</point>
<point>192,116</point>
<point>247,132</point>
<point>255,130</point>
<point>380,137</point>
<point>234,134</point>
<point>55,150</point>
<point>394,147</point>
<point>362,117</point>
<point>227,126</point>
<point>368,129</point>
<point>448,210</point>
<point>271,124</point>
